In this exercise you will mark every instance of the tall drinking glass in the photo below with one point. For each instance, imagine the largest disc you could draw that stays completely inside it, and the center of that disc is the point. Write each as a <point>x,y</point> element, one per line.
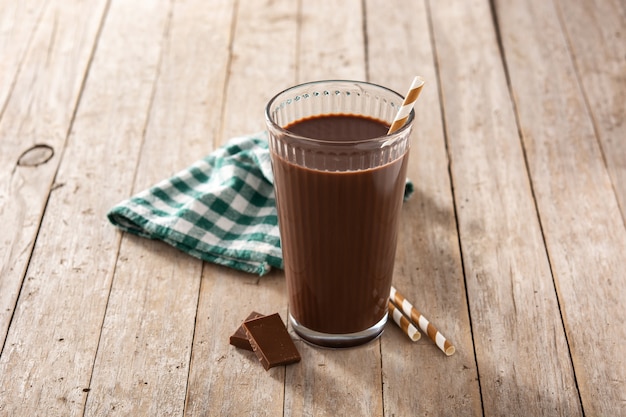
<point>339,182</point>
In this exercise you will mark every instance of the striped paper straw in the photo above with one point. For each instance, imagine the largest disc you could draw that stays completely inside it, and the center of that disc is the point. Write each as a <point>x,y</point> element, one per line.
<point>417,318</point>
<point>404,323</point>
<point>407,104</point>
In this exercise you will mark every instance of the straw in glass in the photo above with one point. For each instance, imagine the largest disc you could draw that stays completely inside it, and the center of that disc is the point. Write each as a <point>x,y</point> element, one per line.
<point>407,104</point>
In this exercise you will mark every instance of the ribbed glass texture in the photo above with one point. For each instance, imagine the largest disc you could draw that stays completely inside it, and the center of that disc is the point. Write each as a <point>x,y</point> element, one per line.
<point>332,98</point>
<point>338,205</point>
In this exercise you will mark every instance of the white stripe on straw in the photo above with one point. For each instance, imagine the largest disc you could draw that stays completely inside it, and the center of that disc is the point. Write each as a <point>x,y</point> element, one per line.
<point>407,104</point>
<point>404,323</point>
<point>421,321</point>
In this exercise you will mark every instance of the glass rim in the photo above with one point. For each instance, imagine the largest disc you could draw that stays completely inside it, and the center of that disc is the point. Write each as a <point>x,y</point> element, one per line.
<point>282,130</point>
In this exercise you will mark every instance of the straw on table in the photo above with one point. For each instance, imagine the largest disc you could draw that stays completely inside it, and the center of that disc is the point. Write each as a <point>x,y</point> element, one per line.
<point>421,321</point>
<point>407,104</point>
<point>404,323</point>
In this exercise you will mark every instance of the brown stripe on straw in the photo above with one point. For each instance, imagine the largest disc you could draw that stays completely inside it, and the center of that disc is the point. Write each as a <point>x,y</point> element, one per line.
<point>414,93</point>
<point>407,327</point>
<point>418,319</point>
<point>407,104</point>
<point>397,124</point>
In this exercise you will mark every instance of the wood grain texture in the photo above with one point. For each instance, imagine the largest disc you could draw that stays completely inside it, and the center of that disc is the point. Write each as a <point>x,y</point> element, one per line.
<point>331,41</point>
<point>428,262</point>
<point>596,37</point>
<point>262,63</point>
<point>38,94</point>
<point>579,212</point>
<point>224,380</point>
<point>513,243</point>
<point>144,353</point>
<point>18,23</point>
<point>333,382</point>
<point>69,276</point>
<point>520,345</point>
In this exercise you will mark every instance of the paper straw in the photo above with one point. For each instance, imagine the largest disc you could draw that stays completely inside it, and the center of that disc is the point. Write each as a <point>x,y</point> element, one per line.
<point>417,318</point>
<point>407,104</point>
<point>404,323</point>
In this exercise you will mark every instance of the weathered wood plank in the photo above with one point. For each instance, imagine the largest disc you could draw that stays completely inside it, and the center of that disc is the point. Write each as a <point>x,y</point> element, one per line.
<point>520,344</point>
<point>18,23</point>
<point>331,41</point>
<point>583,227</point>
<point>568,90</point>
<point>597,39</point>
<point>145,348</point>
<point>418,378</point>
<point>143,356</point>
<point>47,363</point>
<point>263,63</point>
<point>334,382</point>
<point>224,380</point>
<point>40,101</point>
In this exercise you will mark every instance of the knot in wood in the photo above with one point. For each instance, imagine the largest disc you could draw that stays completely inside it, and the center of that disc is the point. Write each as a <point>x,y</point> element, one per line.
<point>36,155</point>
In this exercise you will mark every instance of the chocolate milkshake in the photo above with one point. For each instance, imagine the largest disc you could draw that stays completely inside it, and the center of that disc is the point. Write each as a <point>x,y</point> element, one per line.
<point>339,182</point>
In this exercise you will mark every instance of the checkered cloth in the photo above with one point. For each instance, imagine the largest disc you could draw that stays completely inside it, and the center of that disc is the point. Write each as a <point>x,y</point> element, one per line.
<point>220,209</point>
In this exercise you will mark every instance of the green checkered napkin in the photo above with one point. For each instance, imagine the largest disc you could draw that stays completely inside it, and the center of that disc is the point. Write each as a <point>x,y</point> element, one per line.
<point>221,209</point>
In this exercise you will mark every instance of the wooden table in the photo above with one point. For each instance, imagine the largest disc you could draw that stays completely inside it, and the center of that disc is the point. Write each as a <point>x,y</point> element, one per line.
<point>514,243</point>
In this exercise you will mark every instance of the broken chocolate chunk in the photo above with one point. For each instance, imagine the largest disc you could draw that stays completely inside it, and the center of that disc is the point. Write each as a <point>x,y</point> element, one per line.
<point>270,341</point>
<point>239,338</point>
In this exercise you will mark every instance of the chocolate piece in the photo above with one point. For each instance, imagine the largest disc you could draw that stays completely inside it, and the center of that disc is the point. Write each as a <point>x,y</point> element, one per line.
<point>239,338</point>
<point>271,341</point>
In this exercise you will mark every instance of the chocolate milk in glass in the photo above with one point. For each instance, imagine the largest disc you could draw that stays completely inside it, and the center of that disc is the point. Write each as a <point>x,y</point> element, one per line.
<point>339,182</point>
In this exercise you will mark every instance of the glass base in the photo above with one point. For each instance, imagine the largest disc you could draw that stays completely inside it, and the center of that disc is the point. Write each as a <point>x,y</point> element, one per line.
<point>333,340</point>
